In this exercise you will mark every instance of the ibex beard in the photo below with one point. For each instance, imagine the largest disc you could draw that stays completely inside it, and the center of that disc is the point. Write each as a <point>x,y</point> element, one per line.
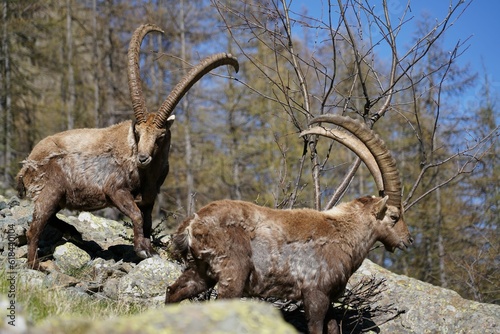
<point>301,254</point>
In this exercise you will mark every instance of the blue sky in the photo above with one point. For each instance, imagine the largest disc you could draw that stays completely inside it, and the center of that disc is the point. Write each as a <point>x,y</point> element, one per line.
<point>480,22</point>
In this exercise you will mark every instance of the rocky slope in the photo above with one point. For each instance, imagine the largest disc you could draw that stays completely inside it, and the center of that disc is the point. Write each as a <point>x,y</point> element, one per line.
<point>94,256</point>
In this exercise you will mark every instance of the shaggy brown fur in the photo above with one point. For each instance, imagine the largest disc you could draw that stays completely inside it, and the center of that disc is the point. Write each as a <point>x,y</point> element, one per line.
<point>302,254</point>
<point>123,165</point>
<point>89,169</point>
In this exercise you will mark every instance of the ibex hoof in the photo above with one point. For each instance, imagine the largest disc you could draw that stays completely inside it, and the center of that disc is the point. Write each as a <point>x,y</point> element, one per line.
<point>146,253</point>
<point>143,254</point>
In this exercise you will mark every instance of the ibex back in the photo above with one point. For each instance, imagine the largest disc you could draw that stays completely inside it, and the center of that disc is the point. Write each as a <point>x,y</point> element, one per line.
<point>301,254</point>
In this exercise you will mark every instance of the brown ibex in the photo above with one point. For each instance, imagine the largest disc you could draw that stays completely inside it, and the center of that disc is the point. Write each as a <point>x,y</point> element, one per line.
<point>123,165</point>
<point>299,254</point>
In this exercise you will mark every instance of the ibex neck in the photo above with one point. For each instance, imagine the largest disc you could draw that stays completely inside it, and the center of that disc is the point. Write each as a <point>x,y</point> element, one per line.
<point>361,252</point>
<point>355,241</point>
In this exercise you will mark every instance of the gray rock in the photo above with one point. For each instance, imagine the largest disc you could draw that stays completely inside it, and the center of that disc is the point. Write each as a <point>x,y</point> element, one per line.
<point>57,279</point>
<point>228,316</point>
<point>149,279</point>
<point>104,269</point>
<point>23,212</point>
<point>110,288</point>
<point>70,258</point>
<point>428,308</point>
<point>12,231</point>
<point>31,278</point>
<point>104,232</point>
<point>3,203</point>
<point>14,201</point>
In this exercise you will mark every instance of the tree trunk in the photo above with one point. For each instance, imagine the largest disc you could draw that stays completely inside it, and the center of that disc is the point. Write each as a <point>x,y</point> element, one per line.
<point>70,97</point>
<point>7,91</point>
<point>190,192</point>
<point>95,55</point>
<point>109,101</point>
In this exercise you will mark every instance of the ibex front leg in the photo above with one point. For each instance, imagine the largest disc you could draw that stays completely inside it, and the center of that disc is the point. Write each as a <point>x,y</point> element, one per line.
<point>188,285</point>
<point>124,201</point>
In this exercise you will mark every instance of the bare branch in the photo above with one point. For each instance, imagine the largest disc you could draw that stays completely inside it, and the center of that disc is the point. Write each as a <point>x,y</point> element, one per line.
<point>473,154</point>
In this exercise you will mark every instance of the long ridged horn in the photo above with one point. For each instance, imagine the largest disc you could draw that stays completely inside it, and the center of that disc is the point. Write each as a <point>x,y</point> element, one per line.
<point>368,140</point>
<point>195,74</point>
<point>134,79</point>
<point>355,145</point>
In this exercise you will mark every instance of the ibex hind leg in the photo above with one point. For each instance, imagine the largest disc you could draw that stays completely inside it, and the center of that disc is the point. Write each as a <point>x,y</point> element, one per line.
<point>45,208</point>
<point>316,305</point>
<point>188,285</point>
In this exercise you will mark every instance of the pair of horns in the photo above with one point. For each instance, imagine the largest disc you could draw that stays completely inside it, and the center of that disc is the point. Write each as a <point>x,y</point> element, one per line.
<point>195,74</point>
<point>368,146</point>
<point>355,135</point>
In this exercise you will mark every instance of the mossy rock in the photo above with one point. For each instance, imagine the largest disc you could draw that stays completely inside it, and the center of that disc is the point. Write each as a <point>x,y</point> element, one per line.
<point>225,316</point>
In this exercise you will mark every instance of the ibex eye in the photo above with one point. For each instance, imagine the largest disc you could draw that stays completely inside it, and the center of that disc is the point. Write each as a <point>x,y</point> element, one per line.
<point>395,218</point>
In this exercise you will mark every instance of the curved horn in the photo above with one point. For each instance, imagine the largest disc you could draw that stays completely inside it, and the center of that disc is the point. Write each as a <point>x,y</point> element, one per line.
<point>134,79</point>
<point>195,74</point>
<point>355,145</point>
<point>372,142</point>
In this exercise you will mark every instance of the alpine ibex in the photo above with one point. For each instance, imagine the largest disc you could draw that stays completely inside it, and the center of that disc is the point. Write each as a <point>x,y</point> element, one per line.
<point>298,254</point>
<point>123,165</point>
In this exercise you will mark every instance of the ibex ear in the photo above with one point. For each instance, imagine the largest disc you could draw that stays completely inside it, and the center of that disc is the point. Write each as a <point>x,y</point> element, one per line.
<point>380,207</point>
<point>136,137</point>
<point>170,121</point>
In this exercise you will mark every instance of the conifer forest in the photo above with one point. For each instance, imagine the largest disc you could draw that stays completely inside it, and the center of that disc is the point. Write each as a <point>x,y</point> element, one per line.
<point>63,65</point>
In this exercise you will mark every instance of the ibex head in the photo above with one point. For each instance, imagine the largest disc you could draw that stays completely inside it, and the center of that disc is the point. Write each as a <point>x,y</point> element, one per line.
<point>151,130</point>
<point>374,153</point>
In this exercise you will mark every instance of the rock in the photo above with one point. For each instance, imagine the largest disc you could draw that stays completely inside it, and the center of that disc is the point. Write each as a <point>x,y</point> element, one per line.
<point>31,278</point>
<point>70,258</point>
<point>115,274</point>
<point>21,252</point>
<point>3,203</point>
<point>14,201</point>
<point>428,308</point>
<point>110,288</point>
<point>59,280</point>
<point>149,280</point>
<point>104,232</point>
<point>225,316</point>
<point>13,232</point>
<point>23,212</point>
<point>103,269</point>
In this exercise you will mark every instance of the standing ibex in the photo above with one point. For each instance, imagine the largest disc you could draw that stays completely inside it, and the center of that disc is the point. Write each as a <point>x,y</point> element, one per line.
<point>299,254</point>
<point>123,165</point>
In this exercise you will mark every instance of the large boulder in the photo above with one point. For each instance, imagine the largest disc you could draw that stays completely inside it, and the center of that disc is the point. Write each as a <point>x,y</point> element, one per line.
<point>104,232</point>
<point>427,308</point>
<point>228,316</point>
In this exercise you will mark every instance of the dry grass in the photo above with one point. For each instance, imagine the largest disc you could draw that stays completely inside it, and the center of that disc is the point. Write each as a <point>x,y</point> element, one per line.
<point>38,302</point>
